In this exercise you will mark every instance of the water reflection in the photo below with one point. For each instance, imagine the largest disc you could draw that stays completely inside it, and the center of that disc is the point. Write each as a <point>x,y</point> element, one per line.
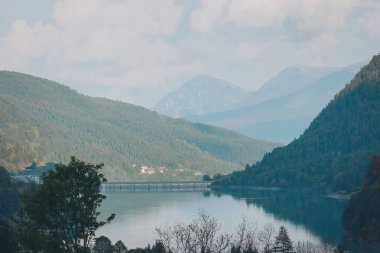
<point>318,213</point>
<point>307,216</point>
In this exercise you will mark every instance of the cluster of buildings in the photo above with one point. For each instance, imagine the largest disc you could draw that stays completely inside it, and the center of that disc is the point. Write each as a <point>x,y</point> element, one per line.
<point>33,173</point>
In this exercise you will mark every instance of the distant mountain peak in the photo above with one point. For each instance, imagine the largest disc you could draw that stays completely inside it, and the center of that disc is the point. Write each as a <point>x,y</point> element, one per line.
<point>284,106</point>
<point>286,82</point>
<point>200,95</point>
<point>332,153</point>
<point>207,81</point>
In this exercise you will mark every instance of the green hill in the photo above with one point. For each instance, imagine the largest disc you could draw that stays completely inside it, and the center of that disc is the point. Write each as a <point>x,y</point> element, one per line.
<point>332,154</point>
<point>43,121</point>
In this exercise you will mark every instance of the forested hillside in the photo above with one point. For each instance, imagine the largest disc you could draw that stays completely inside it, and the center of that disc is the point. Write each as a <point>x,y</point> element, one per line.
<point>361,218</point>
<point>43,121</point>
<point>333,152</point>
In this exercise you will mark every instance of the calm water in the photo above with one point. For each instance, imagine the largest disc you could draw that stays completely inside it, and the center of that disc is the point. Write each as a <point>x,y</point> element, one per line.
<point>307,216</point>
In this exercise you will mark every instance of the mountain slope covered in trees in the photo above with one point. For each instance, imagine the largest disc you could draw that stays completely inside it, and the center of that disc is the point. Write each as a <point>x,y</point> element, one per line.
<point>361,218</point>
<point>43,121</point>
<point>332,154</point>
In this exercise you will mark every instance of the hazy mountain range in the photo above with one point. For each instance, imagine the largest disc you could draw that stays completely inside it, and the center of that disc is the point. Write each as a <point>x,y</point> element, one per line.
<point>279,111</point>
<point>334,151</point>
<point>201,95</point>
<point>43,121</point>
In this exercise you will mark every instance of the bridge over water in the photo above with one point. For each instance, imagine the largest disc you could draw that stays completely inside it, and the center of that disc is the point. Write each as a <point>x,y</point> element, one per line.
<point>157,186</point>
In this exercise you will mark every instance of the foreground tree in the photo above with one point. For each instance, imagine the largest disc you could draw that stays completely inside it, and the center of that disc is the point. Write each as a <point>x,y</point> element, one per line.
<point>266,237</point>
<point>158,247</point>
<point>119,247</point>
<point>61,215</point>
<point>283,244</point>
<point>246,240</point>
<point>326,245</point>
<point>202,235</point>
<point>102,245</point>
<point>206,178</point>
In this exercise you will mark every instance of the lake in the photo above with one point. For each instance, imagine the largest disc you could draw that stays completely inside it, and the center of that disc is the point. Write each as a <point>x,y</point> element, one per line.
<point>306,215</point>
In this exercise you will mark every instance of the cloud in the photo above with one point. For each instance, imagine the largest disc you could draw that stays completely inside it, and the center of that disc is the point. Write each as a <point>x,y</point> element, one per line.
<point>138,50</point>
<point>245,51</point>
<point>313,16</point>
<point>370,20</point>
<point>205,18</point>
<point>256,13</point>
<point>123,44</point>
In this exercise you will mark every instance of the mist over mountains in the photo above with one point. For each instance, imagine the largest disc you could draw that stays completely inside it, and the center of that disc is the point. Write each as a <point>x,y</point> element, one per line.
<point>279,111</point>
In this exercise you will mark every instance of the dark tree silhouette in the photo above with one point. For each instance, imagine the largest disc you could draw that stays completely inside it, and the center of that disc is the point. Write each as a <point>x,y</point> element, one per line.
<point>61,214</point>
<point>119,247</point>
<point>102,245</point>
<point>283,244</point>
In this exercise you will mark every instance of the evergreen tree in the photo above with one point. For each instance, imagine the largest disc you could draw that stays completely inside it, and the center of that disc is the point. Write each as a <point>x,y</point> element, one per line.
<point>235,249</point>
<point>283,244</point>
<point>158,247</point>
<point>102,245</point>
<point>119,247</point>
<point>339,249</point>
<point>206,178</point>
<point>251,250</point>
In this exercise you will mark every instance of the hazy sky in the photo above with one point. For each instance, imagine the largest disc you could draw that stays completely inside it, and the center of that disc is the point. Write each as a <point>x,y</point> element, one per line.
<point>138,50</point>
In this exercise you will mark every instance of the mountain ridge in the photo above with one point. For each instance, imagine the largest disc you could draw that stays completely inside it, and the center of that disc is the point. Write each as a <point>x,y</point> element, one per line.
<point>284,117</point>
<point>287,81</point>
<point>200,95</point>
<point>333,151</point>
<point>43,121</point>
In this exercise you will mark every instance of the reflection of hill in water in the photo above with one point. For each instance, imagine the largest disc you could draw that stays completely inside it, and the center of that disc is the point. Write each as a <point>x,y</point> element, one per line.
<point>139,202</point>
<point>319,214</point>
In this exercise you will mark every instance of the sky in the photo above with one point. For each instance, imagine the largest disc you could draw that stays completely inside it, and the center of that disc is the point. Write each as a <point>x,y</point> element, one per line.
<point>137,51</point>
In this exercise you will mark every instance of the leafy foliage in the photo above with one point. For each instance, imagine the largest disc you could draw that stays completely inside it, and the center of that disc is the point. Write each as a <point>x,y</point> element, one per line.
<point>329,155</point>
<point>9,206</point>
<point>43,121</point>
<point>9,202</point>
<point>8,239</point>
<point>61,214</point>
